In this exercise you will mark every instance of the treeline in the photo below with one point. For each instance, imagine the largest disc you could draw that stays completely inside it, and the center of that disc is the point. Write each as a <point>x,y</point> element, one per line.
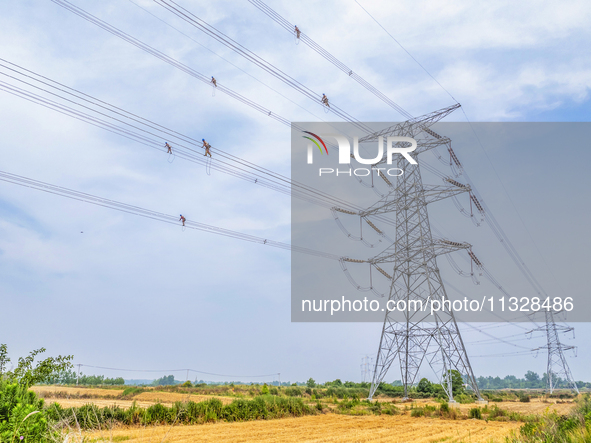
<point>69,377</point>
<point>531,380</point>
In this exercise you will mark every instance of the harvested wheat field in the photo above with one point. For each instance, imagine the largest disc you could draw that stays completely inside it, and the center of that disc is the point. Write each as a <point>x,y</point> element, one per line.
<point>50,391</point>
<point>74,396</point>
<point>171,397</point>
<point>101,403</point>
<point>142,402</point>
<point>535,406</point>
<point>323,428</point>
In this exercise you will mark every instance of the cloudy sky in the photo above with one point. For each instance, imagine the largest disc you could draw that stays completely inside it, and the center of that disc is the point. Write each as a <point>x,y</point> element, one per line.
<point>121,291</point>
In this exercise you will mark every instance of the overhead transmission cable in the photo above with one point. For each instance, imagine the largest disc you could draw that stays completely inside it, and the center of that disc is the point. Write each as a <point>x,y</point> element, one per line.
<point>268,67</point>
<point>229,163</point>
<point>149,49</point>
<point>158,216</point>
<point>266,85</point>
<point>303,37</point>
<point>175,370</point>
<point>404,49</point>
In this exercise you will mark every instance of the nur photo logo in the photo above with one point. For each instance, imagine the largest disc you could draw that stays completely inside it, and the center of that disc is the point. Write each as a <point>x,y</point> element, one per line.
<point>394,145</point>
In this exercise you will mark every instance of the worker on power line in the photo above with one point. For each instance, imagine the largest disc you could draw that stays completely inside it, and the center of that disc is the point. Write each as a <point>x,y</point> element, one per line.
<point>214,81</point>
<point>297,31</point>
<point>183,219</point>
<point>325,100</point>
<point>167,146</point>
<point>207,146</point>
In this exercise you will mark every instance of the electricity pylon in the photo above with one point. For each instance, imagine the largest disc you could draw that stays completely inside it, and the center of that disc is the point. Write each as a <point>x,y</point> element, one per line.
<point>415,277</point>
<point>557,364</point>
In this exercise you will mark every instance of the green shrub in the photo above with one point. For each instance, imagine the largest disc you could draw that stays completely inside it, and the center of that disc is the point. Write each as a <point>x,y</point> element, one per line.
<point>417,412</point>
<point>390,409</point>
<point>495,412</point>
<point>22,414</point>
<point>475,413</point>
<point>131,392</point>
<point>262,407</point>
<point>376,407</point>
<point>293,392</point>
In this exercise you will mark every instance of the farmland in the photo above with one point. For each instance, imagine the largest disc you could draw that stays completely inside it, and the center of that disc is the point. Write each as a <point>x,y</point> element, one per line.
<point>329,419</point>
<point>325,428</point>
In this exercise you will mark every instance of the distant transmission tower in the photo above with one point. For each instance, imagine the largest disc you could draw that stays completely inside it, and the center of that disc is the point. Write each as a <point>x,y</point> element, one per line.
<point>366,369</point>
<point>415,276</point>
<point>557,364</point>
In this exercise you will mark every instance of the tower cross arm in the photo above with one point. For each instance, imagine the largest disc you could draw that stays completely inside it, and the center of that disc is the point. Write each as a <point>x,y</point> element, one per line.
<point>413,126</point>
<point>434,248</point>
<point>429,194</point>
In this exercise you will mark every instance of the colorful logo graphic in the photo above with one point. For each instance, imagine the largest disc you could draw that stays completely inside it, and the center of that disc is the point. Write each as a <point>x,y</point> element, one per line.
<point>315,142</point>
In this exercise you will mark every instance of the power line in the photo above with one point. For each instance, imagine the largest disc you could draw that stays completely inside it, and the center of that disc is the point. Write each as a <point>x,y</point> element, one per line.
<point>229,163</point>
<point>328,56</point>
<point>150,50</point>
<point>227,61</point>
<point>268,67</point>
<point>158,216</point>
<point>177,370</point>
<point>241,168</point>
<point>404,49</point>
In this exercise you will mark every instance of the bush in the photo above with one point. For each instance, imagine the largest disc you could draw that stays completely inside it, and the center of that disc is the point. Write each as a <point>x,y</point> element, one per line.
<point>131,392</point>
<point>417,412</point>
<point>524,399</point>
<point>376,407</point>
<point>22,415</point>
<point>293,392</point>
<point>475,413</point>
<point>390,409</point>
<point>495,412</point>
<point>262,407</point>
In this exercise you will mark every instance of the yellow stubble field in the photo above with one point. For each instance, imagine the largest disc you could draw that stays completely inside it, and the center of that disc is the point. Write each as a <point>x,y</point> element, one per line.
<point>322,428</point>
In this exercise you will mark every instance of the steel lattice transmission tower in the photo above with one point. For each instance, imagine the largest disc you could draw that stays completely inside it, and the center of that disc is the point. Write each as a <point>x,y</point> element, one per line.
<point>415,276</point>
<point>557,365</point>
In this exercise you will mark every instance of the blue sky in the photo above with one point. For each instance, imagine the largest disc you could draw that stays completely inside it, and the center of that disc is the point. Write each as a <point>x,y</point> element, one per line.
<point>133,293</point>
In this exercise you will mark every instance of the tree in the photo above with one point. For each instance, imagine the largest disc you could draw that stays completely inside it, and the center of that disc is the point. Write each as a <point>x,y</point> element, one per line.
<point>22,416</point>
<point>311,383</point>
<point>424,386</point>
<point>26,374</point>
<point>457,382</point>
<point>531,376</point>
<point>167,380</point>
